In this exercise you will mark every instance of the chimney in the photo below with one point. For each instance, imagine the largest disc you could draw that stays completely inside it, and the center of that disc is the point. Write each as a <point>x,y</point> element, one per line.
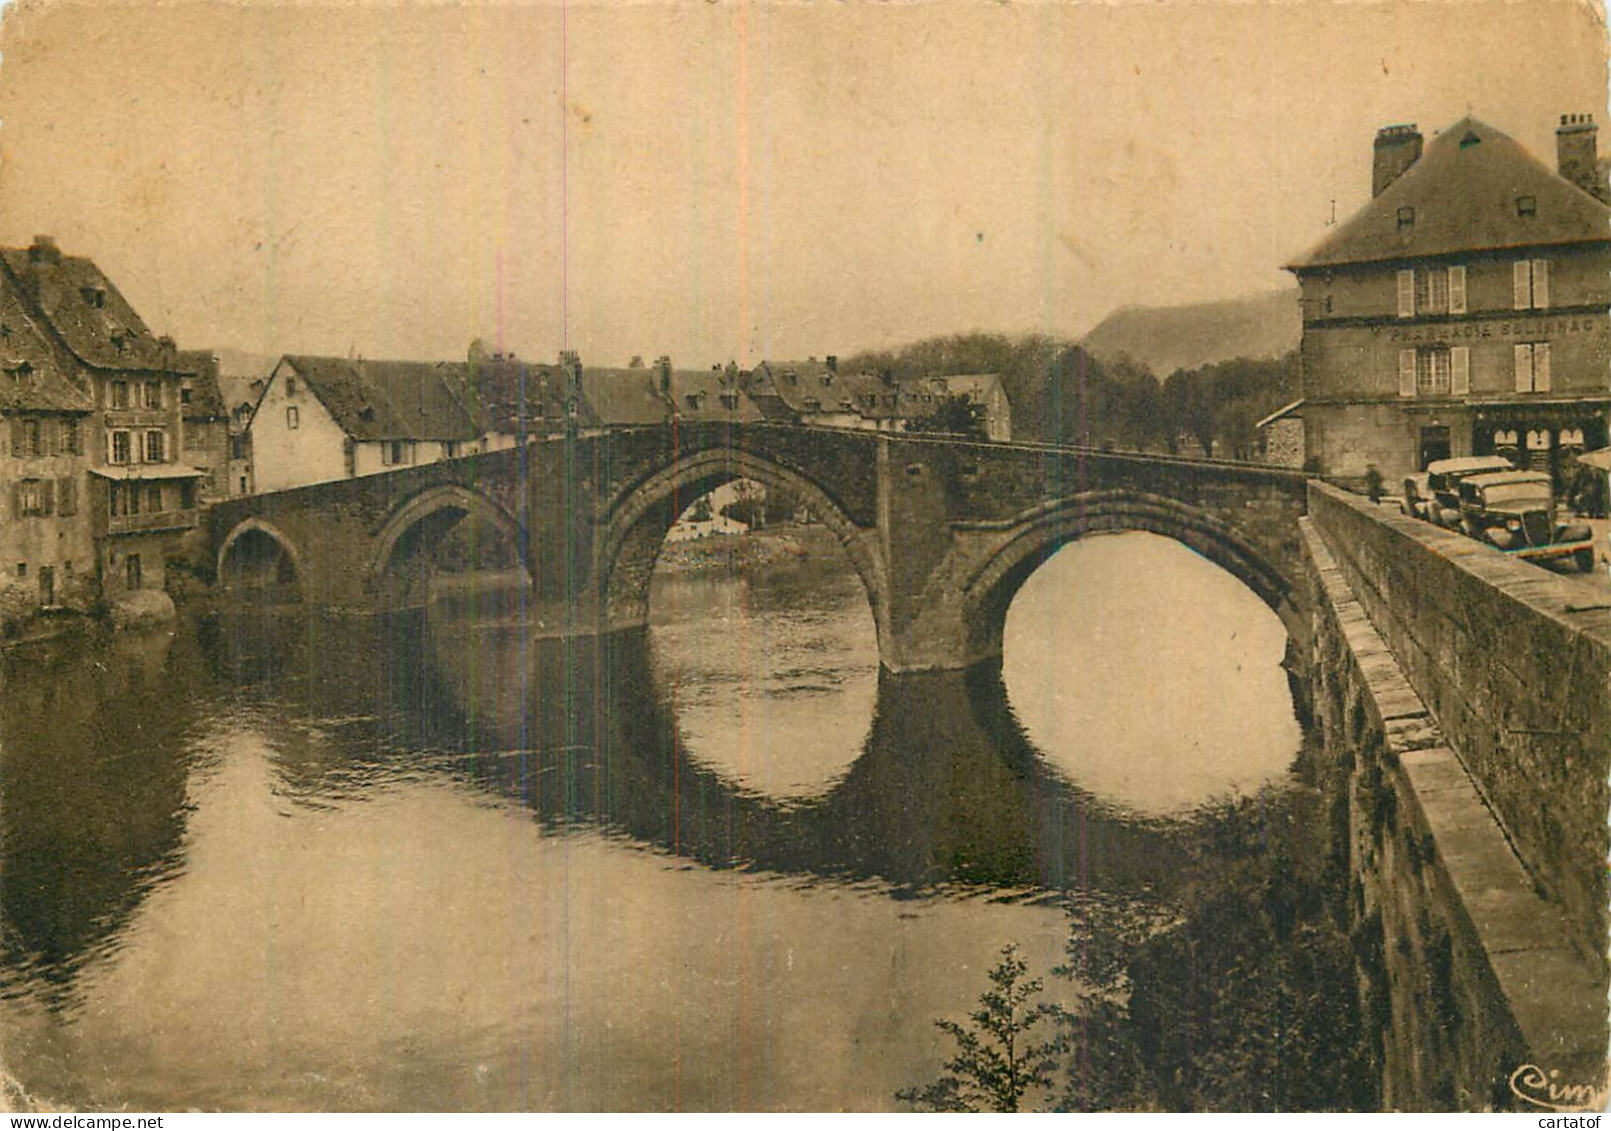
<point>1576,153</point>
<point>832,362</point>
<point>1397,148</point>
<point>44,250</point>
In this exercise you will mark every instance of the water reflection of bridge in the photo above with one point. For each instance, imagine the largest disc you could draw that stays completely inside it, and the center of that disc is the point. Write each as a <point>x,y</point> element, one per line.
<point>947,787</point>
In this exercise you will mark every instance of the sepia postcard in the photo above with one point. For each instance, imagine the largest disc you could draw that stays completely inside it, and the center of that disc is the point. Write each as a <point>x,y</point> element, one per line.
<point>804,556</point>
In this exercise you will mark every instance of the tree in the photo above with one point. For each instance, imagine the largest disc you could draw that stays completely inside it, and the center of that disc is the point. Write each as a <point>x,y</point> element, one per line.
<point>956,414</point>
<point>998,1060</point>
<point>748,505</point>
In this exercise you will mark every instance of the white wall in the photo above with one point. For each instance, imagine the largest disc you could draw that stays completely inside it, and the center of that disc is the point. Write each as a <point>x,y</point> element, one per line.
<point>284,457</point>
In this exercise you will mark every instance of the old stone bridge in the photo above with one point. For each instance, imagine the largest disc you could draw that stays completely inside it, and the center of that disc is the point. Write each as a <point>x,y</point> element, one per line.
<point>942,532</point>
<point>1457,699</point>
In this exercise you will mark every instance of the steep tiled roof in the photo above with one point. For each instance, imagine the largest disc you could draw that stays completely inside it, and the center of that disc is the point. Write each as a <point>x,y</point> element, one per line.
<point>503,390</point>
<point>30,376</point>
<point>1463,192</point>
<point>82,306</point>
<point>624,396</point>
<point>389,400</point>
<point>697,395</point>
<point>203,399</point>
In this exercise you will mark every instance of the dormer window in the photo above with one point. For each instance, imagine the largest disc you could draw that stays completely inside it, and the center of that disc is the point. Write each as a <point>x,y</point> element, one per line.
<point>1527,206</point>
<point>93,296</point>
<point>1406,218</point>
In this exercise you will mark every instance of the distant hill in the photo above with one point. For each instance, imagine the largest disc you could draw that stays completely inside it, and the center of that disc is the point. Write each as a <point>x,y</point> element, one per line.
<point>1167,338</point>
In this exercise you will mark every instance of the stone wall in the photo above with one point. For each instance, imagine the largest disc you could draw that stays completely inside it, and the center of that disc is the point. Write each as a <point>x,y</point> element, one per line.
<point>1515,664</point>
<point>1470,970</point>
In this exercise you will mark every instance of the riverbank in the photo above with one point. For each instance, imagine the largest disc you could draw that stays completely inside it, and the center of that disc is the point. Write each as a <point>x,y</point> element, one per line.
<point>784,547</point>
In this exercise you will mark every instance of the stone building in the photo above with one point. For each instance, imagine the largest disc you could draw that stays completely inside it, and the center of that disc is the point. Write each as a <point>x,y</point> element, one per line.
<point>206,432</point>
<point>47,553</point>
<point>1464,309</point>
<point>139,498</point>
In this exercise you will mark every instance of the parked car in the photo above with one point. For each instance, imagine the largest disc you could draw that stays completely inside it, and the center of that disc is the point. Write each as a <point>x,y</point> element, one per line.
<point>1514,511</point>
<point>1416,496</point>
<point>1443,479</point>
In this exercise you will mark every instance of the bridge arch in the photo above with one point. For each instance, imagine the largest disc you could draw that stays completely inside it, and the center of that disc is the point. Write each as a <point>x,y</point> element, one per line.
<point>636,528</point>
<point>1029,539</point>
<point>258,554</point>
<point>420,521</point>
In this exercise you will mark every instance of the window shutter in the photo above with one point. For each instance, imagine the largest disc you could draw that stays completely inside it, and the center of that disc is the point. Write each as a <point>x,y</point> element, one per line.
<point>1459,368</point>
<point>67,497</point>
<point>47,496</point>
<point>1457,290</point>
<point>16,438</point>
<point>1524,369</point>
<point>16,499</point>
<point>1521,276</point>
<point>1541,367</point>
<point>1541,283</point>
<point>1406,294</point>
<point>1406,373</point>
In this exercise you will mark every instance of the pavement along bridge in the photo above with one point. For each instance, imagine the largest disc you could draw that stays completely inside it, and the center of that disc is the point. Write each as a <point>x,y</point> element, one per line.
<point>941,531</point>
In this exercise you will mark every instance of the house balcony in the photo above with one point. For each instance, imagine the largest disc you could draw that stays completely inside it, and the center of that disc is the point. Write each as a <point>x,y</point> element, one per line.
<point>161,520</point>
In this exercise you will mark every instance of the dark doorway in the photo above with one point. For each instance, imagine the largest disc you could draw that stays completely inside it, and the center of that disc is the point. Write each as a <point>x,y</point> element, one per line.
<point>131,570</point>
<point>1434,444</point>
<point>47,585</point>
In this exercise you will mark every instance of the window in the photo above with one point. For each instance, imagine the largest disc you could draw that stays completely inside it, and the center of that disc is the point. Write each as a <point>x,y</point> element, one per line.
<point>1432,290</point>
<point>25,438</point>
<point>450,449</point>
<point>72,436</point>
<point>153,394</point>
<point>93,296</point>
<point>120,448</point>
<point>156,446</point>
<point>22,570</point>
<point>730,402</point>
<point>36,496</point>
<point>1531,284</point>
<point>184,395</point>
<point>1434,371</point>
<point>397,451</point>
<point>1532,367</point>
<point>293,419</point>
<point>117,395</point>
<point>1527,206</point>
<point>1406,218</point>
<point>290,385</point>
<point>153,498</point>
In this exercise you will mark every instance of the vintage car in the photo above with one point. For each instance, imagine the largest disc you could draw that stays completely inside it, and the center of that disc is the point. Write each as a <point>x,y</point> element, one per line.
<point>1416,496</point>
<point>1443,479</point>
<point>1514,511</point>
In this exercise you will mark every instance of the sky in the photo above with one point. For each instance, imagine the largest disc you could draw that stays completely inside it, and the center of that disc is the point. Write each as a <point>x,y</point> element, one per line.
<point>715,180</point>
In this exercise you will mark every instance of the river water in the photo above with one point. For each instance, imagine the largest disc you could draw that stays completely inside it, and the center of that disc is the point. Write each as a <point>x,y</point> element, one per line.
<point>265,862</point>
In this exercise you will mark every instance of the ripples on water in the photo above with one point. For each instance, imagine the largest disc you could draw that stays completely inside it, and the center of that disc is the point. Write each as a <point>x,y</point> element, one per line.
<point>725,864</point>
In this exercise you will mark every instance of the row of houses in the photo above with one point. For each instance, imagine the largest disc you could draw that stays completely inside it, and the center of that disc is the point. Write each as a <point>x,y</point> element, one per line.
<point>322,418</point>
<point>113,440</point>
